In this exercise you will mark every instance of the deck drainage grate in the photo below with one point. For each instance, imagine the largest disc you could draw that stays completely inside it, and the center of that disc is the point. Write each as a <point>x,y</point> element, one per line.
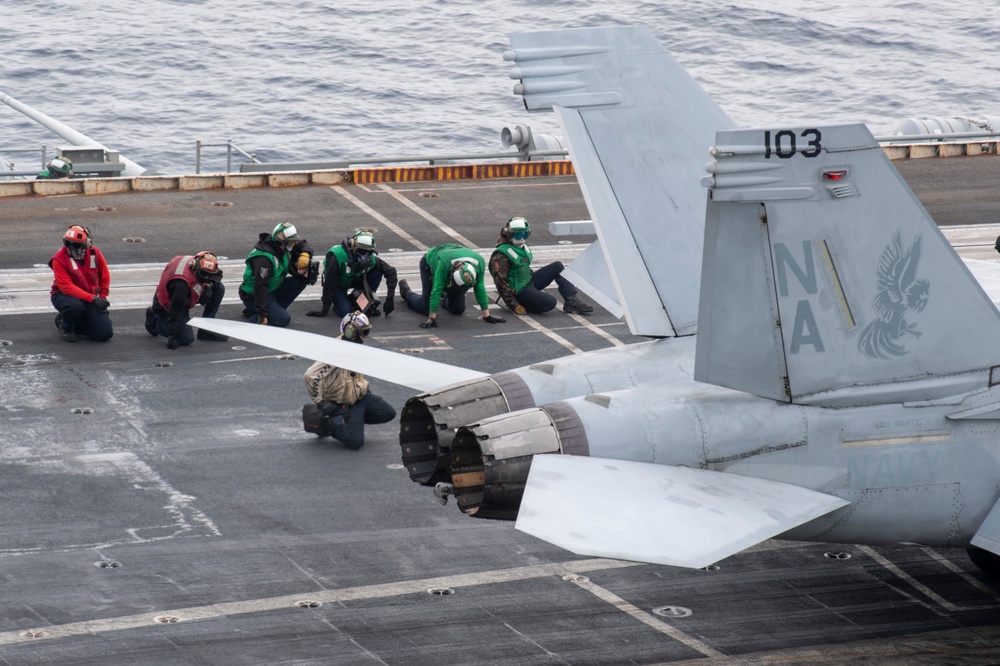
<point>134,239</point>
<point>5,343</point>
<point>287,357</point>
<point>82,410</point>
<point>710,567</point>
<point>239,348</point>
<point>441,591</point>
<point>222,204</point>
<point>166,619</point>
<point>391,249</point>
<point>575,578</point>
<point>672,611</point>
<point>430,195</point>
<point>33,633</point>
<point>308,603</point>
<point>162,364</point>
<point>837,556</point>
<point>107,564</point>
<point>106,209</point>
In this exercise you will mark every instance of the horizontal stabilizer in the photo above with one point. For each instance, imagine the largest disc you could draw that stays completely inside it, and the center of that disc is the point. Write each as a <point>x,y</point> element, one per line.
<point>987,536</point>
<point>416,373</point>
<point>658,513</point>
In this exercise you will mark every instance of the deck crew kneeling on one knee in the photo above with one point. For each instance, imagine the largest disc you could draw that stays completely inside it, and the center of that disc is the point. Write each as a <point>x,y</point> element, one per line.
<point>266,292</point>
<point>81,286</point>
<point>186,281</point>
<point>341,402</point>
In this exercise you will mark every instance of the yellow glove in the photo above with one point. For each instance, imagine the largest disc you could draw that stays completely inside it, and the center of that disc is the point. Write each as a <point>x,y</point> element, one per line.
<point>519,310</point>
<point>303,263</point>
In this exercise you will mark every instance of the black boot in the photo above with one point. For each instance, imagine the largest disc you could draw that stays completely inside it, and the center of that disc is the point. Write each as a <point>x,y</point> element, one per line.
<point>67,334</point>
<point>573,305</point>
<point>404,289</point>
<point>151,322</point>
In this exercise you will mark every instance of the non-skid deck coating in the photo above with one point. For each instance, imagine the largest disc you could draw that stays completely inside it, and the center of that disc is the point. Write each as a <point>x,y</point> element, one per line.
<point>165,507</point>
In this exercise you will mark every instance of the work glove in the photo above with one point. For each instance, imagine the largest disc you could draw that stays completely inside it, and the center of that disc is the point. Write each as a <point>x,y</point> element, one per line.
<point>101,304</point>
<point>319,313</point>
<point>430,323</point>
<point>173,343</point>
<point>262,321</point>
<point>491,319</point>
<point>207,292</point>
<point>519,310</point>
<point>303,262</point>
<point>389,306</point>
<point>331,408</point>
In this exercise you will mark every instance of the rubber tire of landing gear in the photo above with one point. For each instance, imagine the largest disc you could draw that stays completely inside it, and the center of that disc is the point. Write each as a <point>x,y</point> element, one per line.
<point>988,562</point>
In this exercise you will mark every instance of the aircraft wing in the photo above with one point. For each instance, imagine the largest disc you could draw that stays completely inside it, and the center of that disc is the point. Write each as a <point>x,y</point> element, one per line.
<point>416,373</point>
<point>659,514</point>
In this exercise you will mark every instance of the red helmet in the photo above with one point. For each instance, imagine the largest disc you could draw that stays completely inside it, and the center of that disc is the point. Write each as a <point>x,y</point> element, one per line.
<point>77,240</point>
<point>77,233</point>
<point>205,266</point>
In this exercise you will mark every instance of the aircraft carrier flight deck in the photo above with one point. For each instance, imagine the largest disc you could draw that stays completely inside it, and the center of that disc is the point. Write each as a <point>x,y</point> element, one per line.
<point>166,507</point>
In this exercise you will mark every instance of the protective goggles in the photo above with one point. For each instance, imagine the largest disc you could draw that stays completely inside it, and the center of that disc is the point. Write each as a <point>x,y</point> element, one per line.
<point>520,235</point>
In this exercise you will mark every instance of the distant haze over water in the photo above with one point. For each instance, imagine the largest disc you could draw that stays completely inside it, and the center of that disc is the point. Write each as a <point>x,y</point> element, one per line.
<point>293,81</point>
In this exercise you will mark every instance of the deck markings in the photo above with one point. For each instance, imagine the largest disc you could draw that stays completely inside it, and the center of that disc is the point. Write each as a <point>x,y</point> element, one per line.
<point>459,238</point>
<point>530,321</point>
<point>933,596</point>
<point>266,604</point>
<point>597,330</point>
<point>342,191</point>
<point>647,619</point>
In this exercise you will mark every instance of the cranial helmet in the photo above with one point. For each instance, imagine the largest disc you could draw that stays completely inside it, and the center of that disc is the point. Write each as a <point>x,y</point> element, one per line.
<point>516,230</point>
<point>205,266</point>
<point>60,166</point>
<point>286,234</point>
<point>355,326</point>
<point>360,247</point>
<point>77,240</point>
<point>463,273</point>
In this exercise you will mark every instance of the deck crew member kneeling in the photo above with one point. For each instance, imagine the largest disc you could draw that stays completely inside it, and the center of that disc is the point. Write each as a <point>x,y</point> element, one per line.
<point>342,395</point>
<point>187,281</point>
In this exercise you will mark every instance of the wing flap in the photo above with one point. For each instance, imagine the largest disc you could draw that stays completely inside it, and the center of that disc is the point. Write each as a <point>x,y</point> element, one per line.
<point>416,373</point>
<point>659,514</point>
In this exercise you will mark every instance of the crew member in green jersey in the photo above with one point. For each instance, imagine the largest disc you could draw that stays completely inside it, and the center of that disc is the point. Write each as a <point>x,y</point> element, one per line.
<point>446,273</point>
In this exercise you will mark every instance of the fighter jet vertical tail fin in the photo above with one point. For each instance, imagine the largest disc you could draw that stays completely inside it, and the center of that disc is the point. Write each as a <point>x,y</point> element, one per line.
<point>825,280</point>
<point>638,127</point>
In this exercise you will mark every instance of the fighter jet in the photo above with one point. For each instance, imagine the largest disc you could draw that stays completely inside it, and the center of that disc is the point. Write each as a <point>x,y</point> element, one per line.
<point>828,396</point>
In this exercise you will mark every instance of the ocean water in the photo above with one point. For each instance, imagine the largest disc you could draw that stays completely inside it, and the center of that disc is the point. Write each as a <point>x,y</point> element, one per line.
<point>319,80</point>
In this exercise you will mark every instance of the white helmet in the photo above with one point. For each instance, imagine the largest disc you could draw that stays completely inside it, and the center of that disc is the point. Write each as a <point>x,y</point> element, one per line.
<point>463,272</point>
<point>355,325</point>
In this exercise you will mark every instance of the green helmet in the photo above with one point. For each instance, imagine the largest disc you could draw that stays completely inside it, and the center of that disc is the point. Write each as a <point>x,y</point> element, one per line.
<point>60,166</point>
<point>360,248</point>
<point>285,234</point>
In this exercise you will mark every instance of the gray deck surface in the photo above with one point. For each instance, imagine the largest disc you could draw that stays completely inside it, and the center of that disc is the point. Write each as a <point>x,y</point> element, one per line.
<point>188,516</point>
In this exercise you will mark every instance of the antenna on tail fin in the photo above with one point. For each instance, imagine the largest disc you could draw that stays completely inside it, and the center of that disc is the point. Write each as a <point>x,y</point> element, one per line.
<point>637,125</point>
<point>826,282</point>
